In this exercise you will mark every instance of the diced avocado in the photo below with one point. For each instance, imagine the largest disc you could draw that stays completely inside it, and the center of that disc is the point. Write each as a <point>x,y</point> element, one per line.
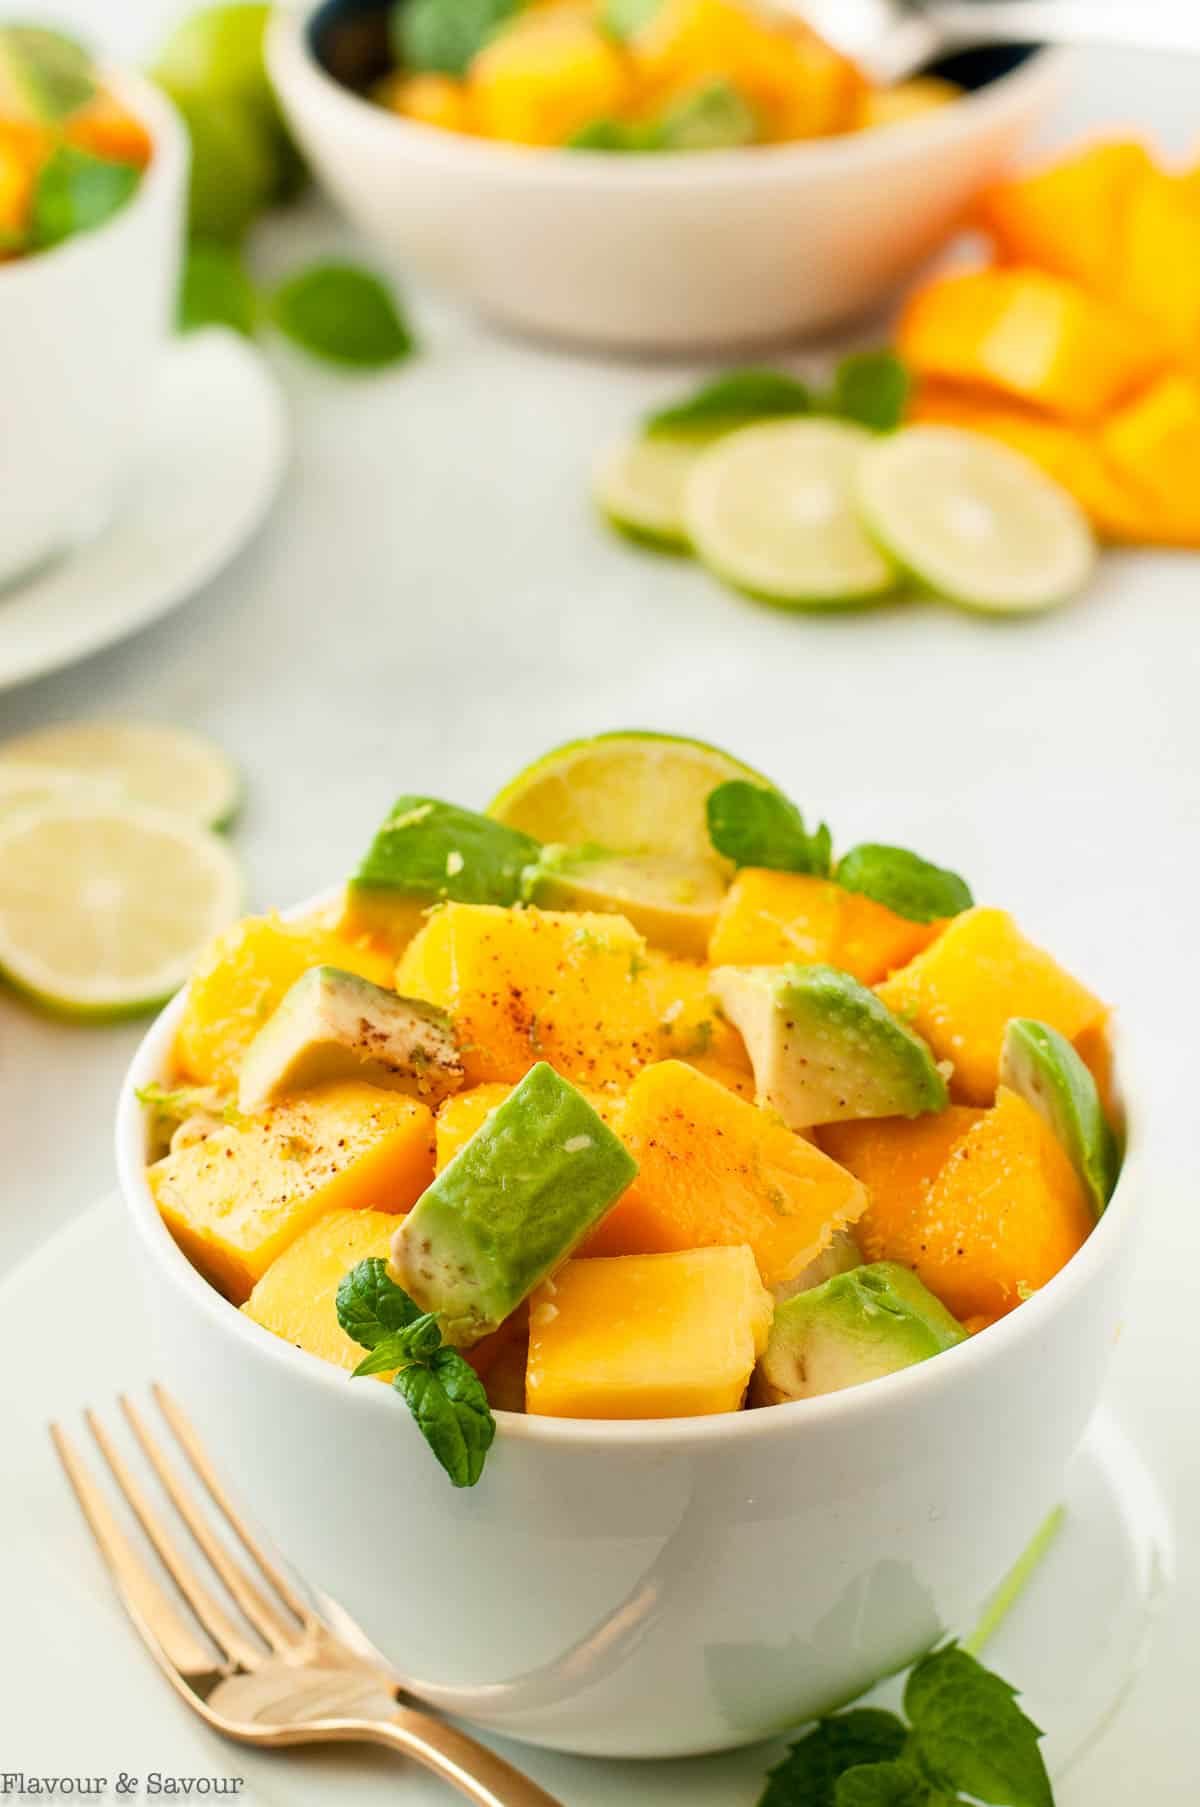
<point>438,852</point>
<point>856,1327</point>
<point>509,1208</point>
<point>672,901</point>
<point>1040,1064</point>
<point>713,117</point>
<point>824,1048</point>
<point>841,1255</point>
<point>335,1025</point>
<point>45,76</point>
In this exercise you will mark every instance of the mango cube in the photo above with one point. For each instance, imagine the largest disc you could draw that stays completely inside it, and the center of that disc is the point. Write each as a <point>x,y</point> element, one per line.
<point>1069,218</point>
<point>296,1297</point>
<point>1154,441</point>
<point>236,1200</point>
<point>647,1336</point>
<point>962,992</point>
<point>1159,275</point>
<point>544,77</point>
<point>784,918</point>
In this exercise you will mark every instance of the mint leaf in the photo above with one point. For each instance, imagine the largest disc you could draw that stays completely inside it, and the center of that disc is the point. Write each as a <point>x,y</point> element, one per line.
<point>445,35</point>
<point>426,848</point>
<point>872,388</point>
<point>343,314</point>
<point>448,1401</point>
<point>733,400</point>
<point>625,18</point>
<point>415,1342</point>
<point>904,882</point>
<point>970,1734</point>
<point>806,1776</point>
<point>76,192</point>
<point>216,290</point>
<point>882,1785</point>
<point>371,1307</point>
<point>753,825</point>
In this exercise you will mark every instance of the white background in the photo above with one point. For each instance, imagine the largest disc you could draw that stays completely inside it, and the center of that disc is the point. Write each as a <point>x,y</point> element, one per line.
<point>432,604</point>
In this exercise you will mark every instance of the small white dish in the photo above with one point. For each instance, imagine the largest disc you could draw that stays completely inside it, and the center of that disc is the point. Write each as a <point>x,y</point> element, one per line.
<point>1073,1643</point>
<point>212,453</point>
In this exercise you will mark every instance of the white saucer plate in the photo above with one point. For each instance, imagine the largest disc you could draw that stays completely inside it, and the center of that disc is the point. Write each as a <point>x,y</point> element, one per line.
<point>80,1697</point>
<point>215,451</point>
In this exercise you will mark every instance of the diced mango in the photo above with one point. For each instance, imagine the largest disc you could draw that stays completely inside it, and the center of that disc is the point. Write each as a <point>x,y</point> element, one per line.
<point>530,985</point>
<point>236,1200</point>
<point>1159,274</point>
<point>650,1336</point>
<point>961,993</point>
<point>1031,335</point>
<point>295,1298</point>
<point>1155,441</point>
<point>460,1116</point>
<point>107,129</point>
<point>897,1159</point>
<point>772,918</point>
<point>437,100</point>
<point>241,981</point>
<point>541,80</point>
<point>690,1024</point>
<point>715,1171</point>
<point>1070,218</point>
<point>906,100</point>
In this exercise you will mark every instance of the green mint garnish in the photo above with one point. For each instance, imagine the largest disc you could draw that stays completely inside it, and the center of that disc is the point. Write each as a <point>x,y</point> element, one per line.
<point>904,882</point>
<point>343,314</point>
<point>76,192</point>
<point>445,35</point>
<point>426,848</point>
<point>872,389</point>
<point>808,1773</point>
<point>441,1389</point>
<point>216,289</point>
<point>736,399</point>
<point>753,825</point>
<point>969,1733</point>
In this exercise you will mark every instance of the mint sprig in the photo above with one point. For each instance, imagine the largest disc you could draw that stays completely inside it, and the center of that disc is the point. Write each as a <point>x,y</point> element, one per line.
<point>753,825</point>
<point>343,314</point>
<point>736,399</point>
<point>904,882</point>
<point>865,1735</point>
<point>441,1389</point>
<point>444,36</point>
<point>871,388</point>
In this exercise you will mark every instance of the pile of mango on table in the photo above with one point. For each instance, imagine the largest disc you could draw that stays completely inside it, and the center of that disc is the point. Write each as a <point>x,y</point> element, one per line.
<point>1080,345</point>
<point>645,1132</point>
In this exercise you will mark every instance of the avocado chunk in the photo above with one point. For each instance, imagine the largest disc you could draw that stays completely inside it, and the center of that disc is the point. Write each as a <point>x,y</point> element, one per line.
<point>335,1025</point>
<point>841,1255</point>
<point>1042,1066</point>
<point>45,76</point>
<point>509,1208</point>
<point>672,901</point>
<point>856,1327</point>
<point>824,1048</point>
<point>440,853</point>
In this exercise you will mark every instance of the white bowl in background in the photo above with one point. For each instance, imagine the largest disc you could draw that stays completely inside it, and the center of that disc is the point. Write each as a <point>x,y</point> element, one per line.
<point>649,1589</point>
<point>83,330</point>
<point>677,253</point>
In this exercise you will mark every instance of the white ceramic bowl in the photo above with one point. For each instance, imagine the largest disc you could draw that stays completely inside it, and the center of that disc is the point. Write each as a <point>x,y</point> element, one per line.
<point>682,253</point>
<point>83,329</point>
<point>647,1589</point>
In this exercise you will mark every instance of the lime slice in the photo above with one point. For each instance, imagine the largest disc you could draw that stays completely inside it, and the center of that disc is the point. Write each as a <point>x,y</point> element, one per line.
<point>639,487</point>
<point>974,521</point>
<point>24,786</point>
<point>771,510</point>
<point>161,766</point>
<point>630,792</point>
<point>103,910</point>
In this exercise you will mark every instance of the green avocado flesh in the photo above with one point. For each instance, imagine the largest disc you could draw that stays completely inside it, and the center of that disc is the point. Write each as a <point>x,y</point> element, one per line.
<point>1044,1068</point>
<point>824,1048</point>
<point>44,76</point>
<point>856,1327</point>
<point>510,1207</point>
<point>335,1025</point>
<point>841,1255</point>
<point>435,851</point>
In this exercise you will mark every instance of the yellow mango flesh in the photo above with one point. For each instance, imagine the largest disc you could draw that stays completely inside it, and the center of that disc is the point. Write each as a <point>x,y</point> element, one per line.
<point>460,1116</point>
<point>775,918</point>
<point>897,1159</point>
<point>1159,276</point>
<point>236,1200</point>
<point>295,1298</point>
<point>1155,441</point>
<point>530,985</point>
<point>542,79</point>
<point>961,993</point>
<point>715,1171</point>
<point>906,100</point>
<point>437,100</point>
<point>690,1024</point>
<point>654,1336</point>
<point>1070,218</point>
<point>1029,335</point>
<point>241,981</point>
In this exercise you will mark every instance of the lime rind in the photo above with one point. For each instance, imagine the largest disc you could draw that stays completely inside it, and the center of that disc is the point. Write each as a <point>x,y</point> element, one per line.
<point>639,487</point>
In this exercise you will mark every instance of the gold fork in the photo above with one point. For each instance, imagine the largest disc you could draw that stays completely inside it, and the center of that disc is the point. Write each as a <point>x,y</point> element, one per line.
<point>277,1673</point>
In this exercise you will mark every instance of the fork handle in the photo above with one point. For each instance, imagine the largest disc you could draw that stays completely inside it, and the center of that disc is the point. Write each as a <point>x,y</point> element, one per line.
<point>1151,25</point>
<point>475,1771</point>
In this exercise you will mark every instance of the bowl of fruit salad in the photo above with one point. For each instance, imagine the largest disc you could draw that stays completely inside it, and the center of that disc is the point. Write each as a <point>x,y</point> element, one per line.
<point>678,174</point>
<point>659,1270</point>
<point>92,173</point>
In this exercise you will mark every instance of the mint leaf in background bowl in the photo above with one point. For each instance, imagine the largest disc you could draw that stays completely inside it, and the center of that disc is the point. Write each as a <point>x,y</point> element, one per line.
<point>77,192</point>
<point>442,36</point>
<point>343,314</point>
<point>216,289</point>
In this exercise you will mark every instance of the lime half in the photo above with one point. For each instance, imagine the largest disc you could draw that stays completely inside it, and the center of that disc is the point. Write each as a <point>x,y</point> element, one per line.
<point>103,910</point>
<point>770,509</point>
<point>145,764</point>
<point>639,487</point>
<point>973,521</point>
<point>24,786</point>
<point>630,792</point>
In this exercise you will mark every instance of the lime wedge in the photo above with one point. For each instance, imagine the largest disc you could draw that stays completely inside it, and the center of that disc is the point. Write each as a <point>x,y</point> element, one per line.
<point>103,910</point>
<point>770,509</point>
<point>974,521</point>
<point>629,792</point>
<point>639,488</point>
<point>164,767</point>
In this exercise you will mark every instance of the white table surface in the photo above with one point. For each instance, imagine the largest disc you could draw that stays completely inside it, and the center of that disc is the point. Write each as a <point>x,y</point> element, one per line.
<point>432,604</point>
